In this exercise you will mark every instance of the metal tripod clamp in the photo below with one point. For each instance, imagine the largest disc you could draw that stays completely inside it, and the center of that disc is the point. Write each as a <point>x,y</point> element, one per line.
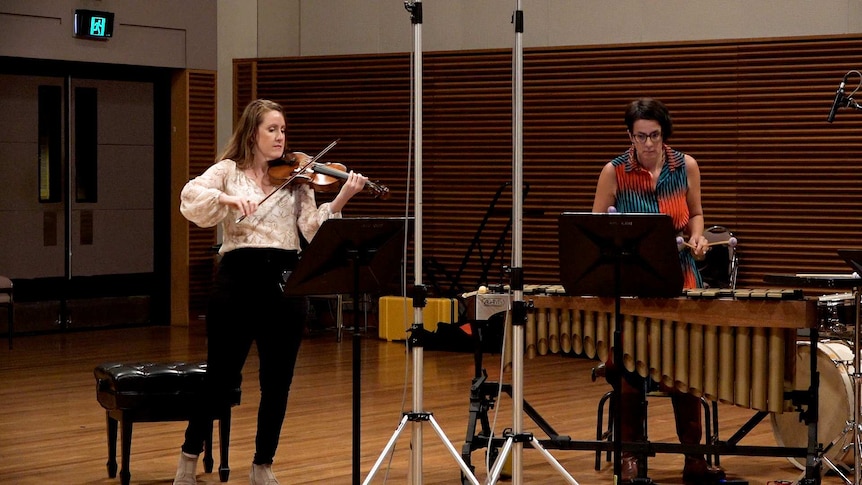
<point>420,296</point>
<point>418,416</point>
<point>417,330</point>
<point>415,9</point>
<point>523,437</point>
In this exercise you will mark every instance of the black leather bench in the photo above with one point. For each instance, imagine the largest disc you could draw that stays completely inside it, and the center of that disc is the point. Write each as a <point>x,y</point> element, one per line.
<point>153,392</point>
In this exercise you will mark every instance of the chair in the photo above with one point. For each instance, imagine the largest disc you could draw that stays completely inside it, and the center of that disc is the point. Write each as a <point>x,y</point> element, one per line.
<point>720,266</point>
<point>718,269</point>
<point>7,300</point>
<point>710,419</point>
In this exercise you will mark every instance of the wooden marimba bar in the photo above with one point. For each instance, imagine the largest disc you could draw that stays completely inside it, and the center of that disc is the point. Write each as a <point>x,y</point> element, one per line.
<point>735,346</point>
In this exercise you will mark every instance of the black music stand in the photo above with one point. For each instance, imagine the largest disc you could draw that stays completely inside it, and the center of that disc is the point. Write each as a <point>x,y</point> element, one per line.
<point>853,257</point>
<point>355,256</point>
<point>617,255</point>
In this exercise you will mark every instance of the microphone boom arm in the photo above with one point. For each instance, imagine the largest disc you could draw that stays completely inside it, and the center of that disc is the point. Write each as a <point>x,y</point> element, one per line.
<point>843,100</point>
<point>851,103</point>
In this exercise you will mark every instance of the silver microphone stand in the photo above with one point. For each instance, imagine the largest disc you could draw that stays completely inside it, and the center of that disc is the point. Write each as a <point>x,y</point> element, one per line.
<point>857,395</point>
<point>515,440</point>
<point>417,417</point>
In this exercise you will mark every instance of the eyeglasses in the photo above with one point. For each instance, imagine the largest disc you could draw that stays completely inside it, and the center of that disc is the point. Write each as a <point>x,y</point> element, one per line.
<point>642,137</point>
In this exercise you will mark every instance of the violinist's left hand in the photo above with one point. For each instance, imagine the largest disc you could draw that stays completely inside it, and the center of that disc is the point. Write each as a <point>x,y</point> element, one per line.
<point>297,158</point>
<point>354,184</point>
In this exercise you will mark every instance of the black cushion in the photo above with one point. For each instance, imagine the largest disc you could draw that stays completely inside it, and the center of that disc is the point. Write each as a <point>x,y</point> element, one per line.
<point>152,385</point>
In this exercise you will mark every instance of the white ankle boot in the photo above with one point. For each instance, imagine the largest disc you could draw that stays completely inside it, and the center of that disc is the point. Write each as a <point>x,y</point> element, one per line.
<point>262,475</point>
<point>186,470</point>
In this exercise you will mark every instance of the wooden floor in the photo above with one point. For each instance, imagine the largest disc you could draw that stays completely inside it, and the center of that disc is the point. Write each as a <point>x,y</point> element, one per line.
<point>52,429</point>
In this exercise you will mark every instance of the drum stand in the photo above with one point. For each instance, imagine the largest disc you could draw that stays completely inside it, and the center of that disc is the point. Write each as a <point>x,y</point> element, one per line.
<point>856,421</point>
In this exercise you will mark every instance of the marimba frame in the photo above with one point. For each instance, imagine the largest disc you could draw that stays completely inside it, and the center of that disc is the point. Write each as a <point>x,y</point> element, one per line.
<point>776,308</point>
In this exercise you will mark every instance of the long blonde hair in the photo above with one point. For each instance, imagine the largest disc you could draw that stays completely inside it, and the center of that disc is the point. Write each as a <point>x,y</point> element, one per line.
<point>240,148</point>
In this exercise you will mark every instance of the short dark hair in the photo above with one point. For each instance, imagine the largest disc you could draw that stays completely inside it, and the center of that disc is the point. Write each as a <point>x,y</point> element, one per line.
<point>649,109</point>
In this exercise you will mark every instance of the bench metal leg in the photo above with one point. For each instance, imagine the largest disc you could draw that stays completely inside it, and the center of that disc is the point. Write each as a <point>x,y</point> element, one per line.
<point>112,446</point>
<point>224,445</point>
<point>125,474</point>
<point>208,449</point>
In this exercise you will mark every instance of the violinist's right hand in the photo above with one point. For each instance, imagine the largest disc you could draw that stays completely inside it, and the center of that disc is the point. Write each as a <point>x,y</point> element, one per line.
<point>246,207</point>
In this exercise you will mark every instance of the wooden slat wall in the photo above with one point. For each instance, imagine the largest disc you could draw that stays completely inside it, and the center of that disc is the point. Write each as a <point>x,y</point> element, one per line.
<point>202,112</point>
<point>245,87</point>
<point>751,111</point>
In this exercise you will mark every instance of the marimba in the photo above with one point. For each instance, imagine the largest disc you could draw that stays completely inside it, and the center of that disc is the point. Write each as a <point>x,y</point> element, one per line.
<point>736,346</point>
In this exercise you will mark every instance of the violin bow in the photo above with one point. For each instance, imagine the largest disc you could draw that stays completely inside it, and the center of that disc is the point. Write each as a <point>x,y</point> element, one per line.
<point>301,169</point>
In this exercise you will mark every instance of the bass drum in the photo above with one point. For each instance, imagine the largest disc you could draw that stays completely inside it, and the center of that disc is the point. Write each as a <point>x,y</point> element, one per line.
<point>835,364</point>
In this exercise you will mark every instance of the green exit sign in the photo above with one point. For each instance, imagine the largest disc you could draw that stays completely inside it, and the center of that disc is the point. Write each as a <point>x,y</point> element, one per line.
<point>92,24</point>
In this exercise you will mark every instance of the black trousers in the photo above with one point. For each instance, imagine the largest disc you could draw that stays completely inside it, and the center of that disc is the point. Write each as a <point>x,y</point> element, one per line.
<point>248,306</point>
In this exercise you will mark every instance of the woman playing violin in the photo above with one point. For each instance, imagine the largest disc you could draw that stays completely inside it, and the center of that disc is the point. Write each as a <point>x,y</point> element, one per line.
<point>258,253</point>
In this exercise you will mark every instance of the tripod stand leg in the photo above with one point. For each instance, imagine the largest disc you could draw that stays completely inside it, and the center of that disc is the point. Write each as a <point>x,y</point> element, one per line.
<point>841,438</point>
<point>418,418</point>
<point>501,459</point>
<point>452,451</point>
<point>837,470</point>
<point>553,461</point>
<point>386,450</point>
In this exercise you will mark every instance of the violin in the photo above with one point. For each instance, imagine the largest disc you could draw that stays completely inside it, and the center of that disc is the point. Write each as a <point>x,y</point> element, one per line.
<point>287,170</point>
<point>299,168</point>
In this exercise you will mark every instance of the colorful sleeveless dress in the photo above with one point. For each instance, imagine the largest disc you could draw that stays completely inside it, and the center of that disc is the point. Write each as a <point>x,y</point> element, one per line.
<point>636,194</point>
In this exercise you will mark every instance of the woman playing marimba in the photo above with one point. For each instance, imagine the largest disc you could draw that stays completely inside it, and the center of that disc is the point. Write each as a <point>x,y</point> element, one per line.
<point>653,177</point>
